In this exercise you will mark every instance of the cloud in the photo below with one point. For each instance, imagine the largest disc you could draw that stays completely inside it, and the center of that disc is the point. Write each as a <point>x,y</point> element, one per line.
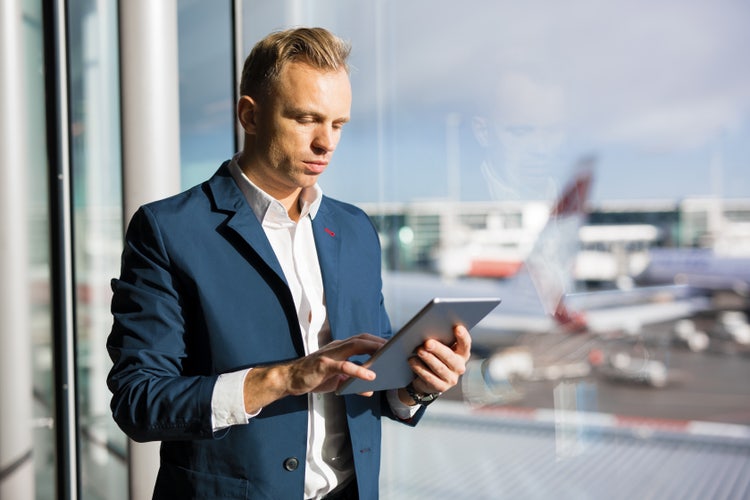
<point>523,101</point>
<point>652,75</point>
<point>677,125</point>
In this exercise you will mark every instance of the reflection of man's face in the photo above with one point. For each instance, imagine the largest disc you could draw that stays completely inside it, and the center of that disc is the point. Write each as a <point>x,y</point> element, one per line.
<point>522,139</point>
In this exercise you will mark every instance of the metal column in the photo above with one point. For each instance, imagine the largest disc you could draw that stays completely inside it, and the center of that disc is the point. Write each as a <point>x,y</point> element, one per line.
<point>150,144</point>
<point>67,471</point>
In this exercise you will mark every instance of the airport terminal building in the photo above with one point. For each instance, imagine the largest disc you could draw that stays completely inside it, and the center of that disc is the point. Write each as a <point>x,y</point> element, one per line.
<point>491,239</point>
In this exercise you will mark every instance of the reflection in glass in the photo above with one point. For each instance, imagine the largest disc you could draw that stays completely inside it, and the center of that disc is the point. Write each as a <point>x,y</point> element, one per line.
<point>206,107</point>
<point>39,261</point>
<point>464,115</point>
<point>94,108</point>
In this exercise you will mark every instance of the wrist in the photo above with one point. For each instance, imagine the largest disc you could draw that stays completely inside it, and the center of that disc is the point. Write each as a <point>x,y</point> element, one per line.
<point>419,397</point>
<point>263,386</point>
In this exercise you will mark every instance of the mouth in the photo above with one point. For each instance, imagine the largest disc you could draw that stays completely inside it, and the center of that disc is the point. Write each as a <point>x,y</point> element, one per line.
<point>315,167</point>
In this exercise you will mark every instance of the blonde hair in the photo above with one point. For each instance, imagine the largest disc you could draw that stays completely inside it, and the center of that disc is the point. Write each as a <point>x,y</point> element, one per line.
<point>317,47</point>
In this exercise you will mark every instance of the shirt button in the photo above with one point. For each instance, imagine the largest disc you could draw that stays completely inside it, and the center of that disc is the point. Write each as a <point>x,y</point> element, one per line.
<point>291,464</point>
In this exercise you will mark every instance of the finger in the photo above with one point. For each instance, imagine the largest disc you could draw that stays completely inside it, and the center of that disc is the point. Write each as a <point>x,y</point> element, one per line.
<point>448,374</point>
<point>369,336</point>
<point>342,379</point>
<point>462,347</point>
<point>322,372</point>
<point>440,358</point>
<point>352,346</point>
<point>431,380</point>
<point>441,366</point>
<point>358,371</point>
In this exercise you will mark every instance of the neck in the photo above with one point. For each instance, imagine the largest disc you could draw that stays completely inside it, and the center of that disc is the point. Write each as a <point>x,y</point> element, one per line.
<point>292,209</point>
<point>288,198</point>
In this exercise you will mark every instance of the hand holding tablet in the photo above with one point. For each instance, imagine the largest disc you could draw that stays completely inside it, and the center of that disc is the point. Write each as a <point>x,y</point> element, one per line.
<point>435,321</point>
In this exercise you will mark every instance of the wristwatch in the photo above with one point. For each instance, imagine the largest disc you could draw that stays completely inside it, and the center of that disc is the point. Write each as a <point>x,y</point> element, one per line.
<point>419,398</point>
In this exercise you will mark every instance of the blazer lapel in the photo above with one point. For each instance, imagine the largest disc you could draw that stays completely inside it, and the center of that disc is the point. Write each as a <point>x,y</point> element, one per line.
<point>229,199</point>
<point>328,241</point>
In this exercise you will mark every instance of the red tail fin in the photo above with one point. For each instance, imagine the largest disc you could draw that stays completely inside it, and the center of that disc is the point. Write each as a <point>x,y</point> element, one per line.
<point>573,198</point>
<point>550,263</point>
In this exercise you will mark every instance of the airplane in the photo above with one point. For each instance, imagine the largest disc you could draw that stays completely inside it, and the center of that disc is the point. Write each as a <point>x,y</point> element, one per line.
<point>539,297</point>
<point>700,268</point>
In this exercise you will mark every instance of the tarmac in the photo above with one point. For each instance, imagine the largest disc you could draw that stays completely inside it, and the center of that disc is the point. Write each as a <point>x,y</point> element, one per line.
<point>591,436</point>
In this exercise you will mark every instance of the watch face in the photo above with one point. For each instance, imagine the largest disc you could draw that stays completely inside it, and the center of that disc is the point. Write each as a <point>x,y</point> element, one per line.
<point>422,399</point>
<point>428,398</point>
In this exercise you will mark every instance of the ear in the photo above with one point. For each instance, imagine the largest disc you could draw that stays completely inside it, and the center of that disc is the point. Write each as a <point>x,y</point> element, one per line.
<point>247,114</point>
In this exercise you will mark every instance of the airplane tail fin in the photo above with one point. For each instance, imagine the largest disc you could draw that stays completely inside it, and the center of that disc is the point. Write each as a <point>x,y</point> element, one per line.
<point>538,287</point>
<point>575,196</point>
<point>547,272</point>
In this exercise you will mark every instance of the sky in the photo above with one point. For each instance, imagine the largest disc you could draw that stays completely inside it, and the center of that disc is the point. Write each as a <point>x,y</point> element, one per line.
<point>484,100</point>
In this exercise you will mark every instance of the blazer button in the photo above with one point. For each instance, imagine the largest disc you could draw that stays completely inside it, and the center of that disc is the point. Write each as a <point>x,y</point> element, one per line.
<point>291,464</point>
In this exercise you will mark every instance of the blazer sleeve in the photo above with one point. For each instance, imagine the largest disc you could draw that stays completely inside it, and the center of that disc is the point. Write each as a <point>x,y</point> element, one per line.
<point>153,397</point>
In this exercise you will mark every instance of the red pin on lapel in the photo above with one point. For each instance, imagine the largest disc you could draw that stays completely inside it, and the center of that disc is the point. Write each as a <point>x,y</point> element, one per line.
<point>330,233</point>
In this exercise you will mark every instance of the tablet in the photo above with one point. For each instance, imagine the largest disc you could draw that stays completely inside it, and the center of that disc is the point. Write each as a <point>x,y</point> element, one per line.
<point>435,321</point>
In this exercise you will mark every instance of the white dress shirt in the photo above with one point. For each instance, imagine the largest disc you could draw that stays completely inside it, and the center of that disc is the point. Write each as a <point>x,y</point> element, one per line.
<point>329,457</point>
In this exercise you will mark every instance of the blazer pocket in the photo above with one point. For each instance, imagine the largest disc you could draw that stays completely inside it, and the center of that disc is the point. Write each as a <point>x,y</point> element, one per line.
<point>174,482</point>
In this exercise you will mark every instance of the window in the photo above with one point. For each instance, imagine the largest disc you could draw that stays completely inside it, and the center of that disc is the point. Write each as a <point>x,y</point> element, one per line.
<point>97,218</point>
<point>496,102</point>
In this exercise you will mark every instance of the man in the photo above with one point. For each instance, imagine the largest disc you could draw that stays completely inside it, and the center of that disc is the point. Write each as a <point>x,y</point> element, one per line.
<point>241,301</point>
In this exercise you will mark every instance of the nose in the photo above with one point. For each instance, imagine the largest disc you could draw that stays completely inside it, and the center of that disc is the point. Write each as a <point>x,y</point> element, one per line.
<point>326,138</point>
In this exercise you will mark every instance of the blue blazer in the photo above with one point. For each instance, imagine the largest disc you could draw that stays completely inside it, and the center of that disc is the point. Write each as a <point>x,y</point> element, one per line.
<point>201,293</point>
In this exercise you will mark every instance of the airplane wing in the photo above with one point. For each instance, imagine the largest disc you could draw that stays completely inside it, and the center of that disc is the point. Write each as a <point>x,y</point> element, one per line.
<point>629,310</point>
<point>631,318</point>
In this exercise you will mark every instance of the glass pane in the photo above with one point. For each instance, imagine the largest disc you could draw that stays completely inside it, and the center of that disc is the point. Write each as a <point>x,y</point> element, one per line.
<point>41,312</point>
<point>96,167</point>
<point>206,95</point>
<point>469,119</point>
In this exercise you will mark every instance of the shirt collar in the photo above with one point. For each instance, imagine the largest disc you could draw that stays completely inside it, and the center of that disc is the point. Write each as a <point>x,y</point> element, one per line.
<point>267,208</point>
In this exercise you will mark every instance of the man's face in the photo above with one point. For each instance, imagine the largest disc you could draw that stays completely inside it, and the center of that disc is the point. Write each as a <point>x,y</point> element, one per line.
<point>297,128</point>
